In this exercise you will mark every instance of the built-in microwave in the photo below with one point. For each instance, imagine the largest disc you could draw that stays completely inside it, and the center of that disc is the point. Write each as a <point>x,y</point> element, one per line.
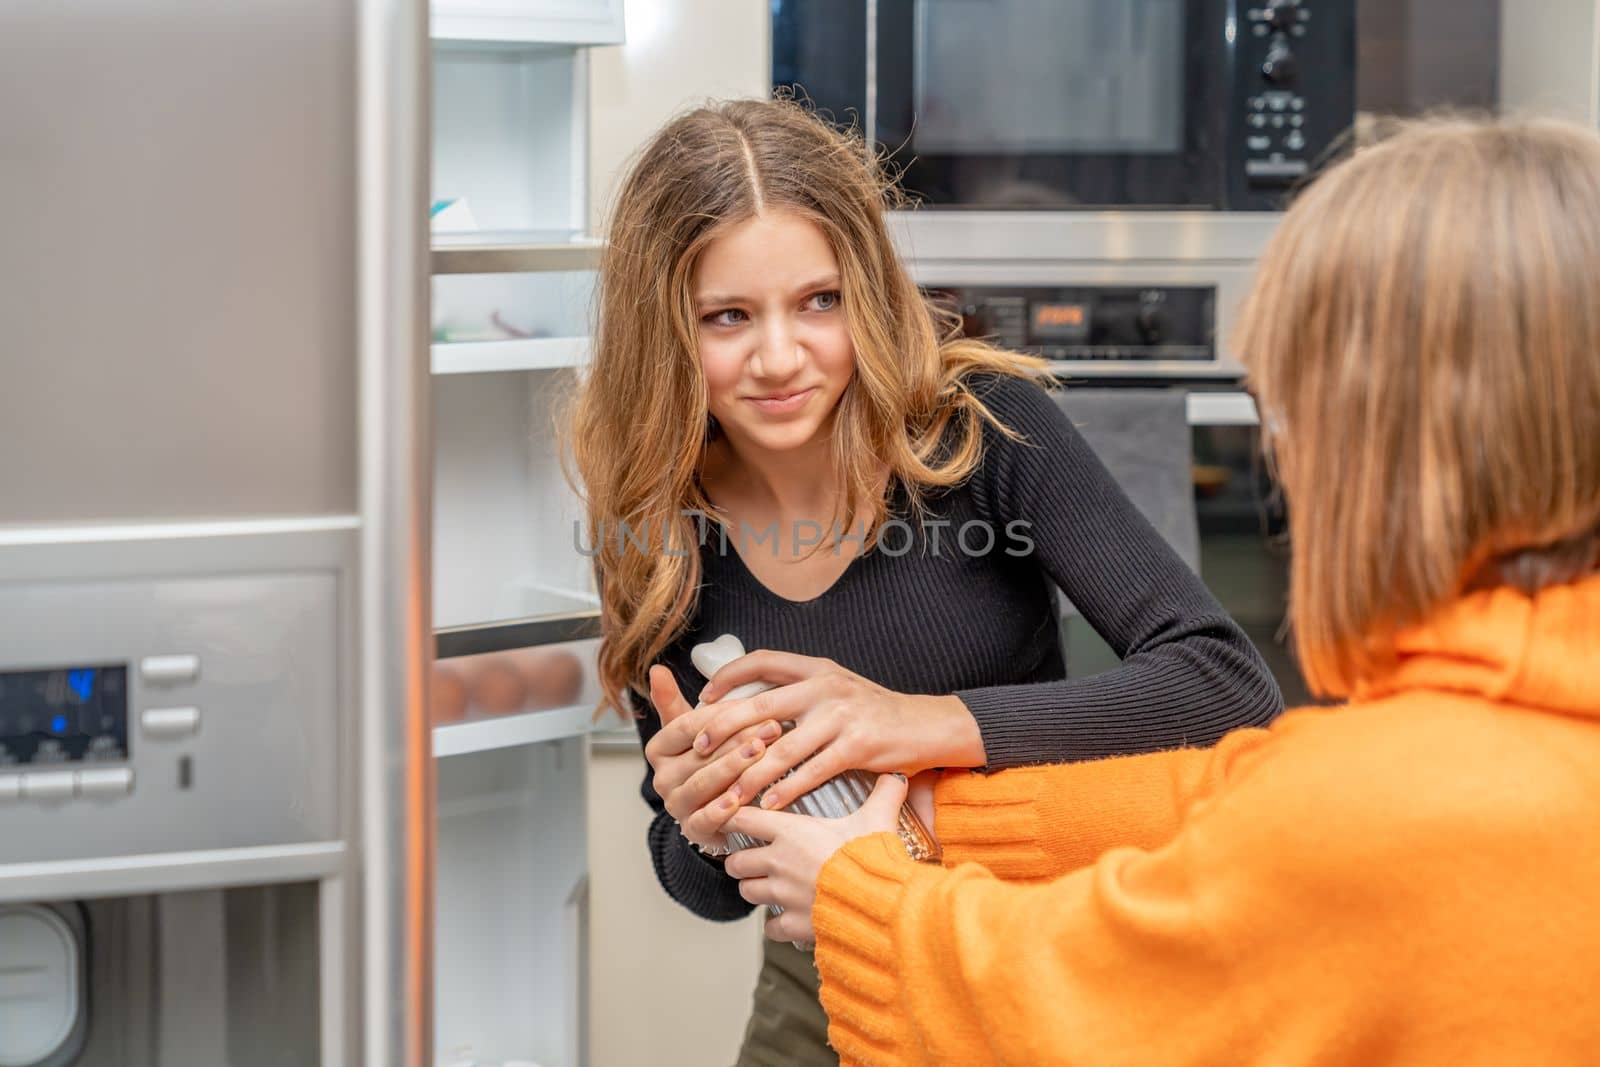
<point>1081,104</point>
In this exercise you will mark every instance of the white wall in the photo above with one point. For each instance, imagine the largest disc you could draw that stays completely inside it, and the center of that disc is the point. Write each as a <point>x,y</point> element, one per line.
<point>679,53</point>
<point>1550,58</point>
<point>665,988</point>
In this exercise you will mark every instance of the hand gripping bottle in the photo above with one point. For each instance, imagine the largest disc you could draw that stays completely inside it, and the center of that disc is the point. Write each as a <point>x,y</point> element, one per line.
<point>833,799</point>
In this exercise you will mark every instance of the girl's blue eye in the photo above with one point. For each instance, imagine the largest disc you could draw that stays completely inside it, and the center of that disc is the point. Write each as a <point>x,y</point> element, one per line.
<point>720,318</point>
<point>826,301</point>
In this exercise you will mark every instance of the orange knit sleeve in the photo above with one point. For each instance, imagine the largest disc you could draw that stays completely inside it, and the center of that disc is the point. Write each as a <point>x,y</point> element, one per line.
<point>1032,823</point>
<point>1112,965</point>
<point>1332,874</point>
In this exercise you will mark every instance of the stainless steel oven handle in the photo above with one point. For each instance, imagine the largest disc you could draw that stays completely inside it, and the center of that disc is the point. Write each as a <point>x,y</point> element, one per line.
<point>1222,409</point>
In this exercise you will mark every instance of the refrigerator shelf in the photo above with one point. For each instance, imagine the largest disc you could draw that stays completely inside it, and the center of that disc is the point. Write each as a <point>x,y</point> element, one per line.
<point>508,731</point>
<point>486,357</point>
<point>512,253</point>
<point>515,633</point>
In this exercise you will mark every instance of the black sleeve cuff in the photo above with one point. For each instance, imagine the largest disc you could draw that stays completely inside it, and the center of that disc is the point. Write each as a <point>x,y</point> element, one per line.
<point>696,881</point>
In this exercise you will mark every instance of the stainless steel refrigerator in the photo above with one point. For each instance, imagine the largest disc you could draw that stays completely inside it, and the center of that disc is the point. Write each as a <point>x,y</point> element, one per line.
<point>215,784</point>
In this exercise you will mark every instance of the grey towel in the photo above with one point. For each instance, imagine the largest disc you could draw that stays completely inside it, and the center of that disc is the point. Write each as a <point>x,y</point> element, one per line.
<point>1142,436</point>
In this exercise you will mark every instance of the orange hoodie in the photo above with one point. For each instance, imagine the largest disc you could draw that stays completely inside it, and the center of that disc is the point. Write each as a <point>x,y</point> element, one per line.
<point>1413,878</point>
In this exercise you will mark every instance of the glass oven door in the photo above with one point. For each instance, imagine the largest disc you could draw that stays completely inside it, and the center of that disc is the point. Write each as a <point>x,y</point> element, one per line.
<point>1244,542</point>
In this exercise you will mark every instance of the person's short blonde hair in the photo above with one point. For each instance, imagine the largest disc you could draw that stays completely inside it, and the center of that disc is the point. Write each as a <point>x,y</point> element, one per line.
<point>1423,337</point>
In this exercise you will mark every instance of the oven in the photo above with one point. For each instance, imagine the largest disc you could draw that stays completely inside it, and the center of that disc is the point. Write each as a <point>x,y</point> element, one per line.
<point>1134,311</point>
<point>1081,104</point>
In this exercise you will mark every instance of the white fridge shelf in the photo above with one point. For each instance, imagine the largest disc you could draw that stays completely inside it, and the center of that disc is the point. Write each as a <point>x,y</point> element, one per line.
<point>485,357</point>
<point>508,731</point>
<point>512,23</point>
<point>512,252</point>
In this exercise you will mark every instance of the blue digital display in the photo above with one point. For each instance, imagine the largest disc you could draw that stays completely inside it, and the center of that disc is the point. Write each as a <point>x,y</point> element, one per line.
<point>64,715</point>
<point>82,683</point>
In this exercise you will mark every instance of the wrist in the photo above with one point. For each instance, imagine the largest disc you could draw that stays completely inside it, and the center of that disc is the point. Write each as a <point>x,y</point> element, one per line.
<point>712,850</point>
<point>951,732</point>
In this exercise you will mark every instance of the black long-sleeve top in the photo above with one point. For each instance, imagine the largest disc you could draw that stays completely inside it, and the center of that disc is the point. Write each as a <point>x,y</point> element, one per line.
<point>983,626</point>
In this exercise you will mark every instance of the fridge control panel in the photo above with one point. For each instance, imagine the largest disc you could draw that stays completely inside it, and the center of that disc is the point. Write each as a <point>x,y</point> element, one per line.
<point>168,714</point>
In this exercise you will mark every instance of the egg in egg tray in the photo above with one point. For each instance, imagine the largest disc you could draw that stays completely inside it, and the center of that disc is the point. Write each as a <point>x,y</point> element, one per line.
<point>504,683</point>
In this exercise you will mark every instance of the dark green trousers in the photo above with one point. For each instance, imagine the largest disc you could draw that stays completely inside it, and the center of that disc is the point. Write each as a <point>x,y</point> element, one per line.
<point>787,1025</point>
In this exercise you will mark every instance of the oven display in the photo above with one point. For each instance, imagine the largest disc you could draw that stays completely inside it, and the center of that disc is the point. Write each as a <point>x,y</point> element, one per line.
<point>1130,325</point>
<point>64,715</point>
<point>1060,322</point>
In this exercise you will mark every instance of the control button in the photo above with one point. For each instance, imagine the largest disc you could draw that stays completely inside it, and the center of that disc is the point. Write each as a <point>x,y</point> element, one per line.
<point>1258,121</point>
<point>54,785</point>
<point>1298,104</point>
<point>10,787</point>
<point>1281,13</point>
<point>1281,67</point>
<point>169,670</point>
<point>1277,122</point>
<point>1294,142</point>
<point>51,750</point>
<point>1277,102</point>
<point>170,722</point>
<point>1256,103</point>
<point>1297,121</point>
<point>1152,324</point>
<point>1275,168</point>
<point>1259,143</point>
<point>110,782</point>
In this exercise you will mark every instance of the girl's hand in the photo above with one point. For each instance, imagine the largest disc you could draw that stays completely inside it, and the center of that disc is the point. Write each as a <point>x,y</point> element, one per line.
<point>784,872</point>
<point>842,722</point>
<point>690,783</point>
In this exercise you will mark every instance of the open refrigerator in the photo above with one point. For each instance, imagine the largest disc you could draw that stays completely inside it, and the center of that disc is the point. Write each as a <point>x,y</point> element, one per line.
<point>259,478</point>
<point>514,606</point>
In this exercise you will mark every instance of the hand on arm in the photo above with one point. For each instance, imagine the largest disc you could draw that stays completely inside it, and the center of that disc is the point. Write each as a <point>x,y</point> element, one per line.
<point>842,722</point>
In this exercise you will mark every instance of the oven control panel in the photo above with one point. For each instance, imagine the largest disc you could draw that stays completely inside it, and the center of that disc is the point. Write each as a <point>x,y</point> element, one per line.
<point>1141,328</point>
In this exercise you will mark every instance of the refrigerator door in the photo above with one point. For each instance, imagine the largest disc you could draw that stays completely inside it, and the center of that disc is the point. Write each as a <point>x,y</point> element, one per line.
<point>178,277</point>
<point>214,403</point>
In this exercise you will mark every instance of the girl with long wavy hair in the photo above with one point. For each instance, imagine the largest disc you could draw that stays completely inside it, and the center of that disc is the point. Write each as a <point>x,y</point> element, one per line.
<point>781,439</point>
